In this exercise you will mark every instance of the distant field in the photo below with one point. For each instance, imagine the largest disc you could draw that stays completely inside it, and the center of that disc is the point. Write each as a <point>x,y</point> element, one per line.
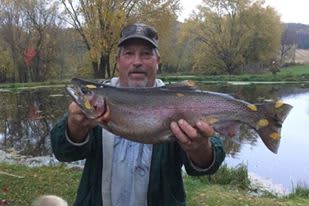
<point>302,56</point>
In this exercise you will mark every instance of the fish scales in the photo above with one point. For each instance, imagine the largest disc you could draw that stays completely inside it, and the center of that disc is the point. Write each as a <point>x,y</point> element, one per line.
<point>192,106</point>
<point>144,114</point>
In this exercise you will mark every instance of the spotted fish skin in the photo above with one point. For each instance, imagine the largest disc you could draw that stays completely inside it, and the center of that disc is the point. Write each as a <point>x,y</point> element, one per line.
<point>144,114</point>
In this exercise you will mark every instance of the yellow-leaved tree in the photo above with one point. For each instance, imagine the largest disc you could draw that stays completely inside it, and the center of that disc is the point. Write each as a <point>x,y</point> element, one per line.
<point>232,35</point>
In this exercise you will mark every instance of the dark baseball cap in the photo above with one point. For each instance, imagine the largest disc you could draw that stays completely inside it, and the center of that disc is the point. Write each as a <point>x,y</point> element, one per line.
<point>139,31</point>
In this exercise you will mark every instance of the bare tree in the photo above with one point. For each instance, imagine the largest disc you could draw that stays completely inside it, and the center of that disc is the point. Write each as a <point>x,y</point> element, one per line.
<point>42,28</point>
<point>12,21</point>
<point>29,28</point>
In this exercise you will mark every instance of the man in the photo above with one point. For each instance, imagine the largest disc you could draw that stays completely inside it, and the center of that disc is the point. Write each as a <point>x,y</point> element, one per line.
<point>125,173</point>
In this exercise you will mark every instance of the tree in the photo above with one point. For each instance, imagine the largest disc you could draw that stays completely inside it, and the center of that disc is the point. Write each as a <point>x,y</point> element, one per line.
<point>99,23</point>
<point>6,65</point>
<point>42,31</point>
<point>232,34</point>
<point>12,21</point>
<point>29,28</point>
<point>266,29</point>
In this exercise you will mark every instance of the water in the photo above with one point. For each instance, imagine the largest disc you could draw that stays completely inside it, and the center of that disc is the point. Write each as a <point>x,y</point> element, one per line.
<point>290,166</point>
<point>27,116</point>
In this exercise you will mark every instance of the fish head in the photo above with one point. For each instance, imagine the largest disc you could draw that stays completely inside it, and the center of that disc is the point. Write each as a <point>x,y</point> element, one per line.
<point>90,103</point>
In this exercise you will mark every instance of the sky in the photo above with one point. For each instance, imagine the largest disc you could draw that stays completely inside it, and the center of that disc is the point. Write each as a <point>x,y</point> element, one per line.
<point>291,11</point>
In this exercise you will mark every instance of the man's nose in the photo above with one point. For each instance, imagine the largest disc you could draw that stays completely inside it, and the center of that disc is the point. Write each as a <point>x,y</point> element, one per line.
<point>137,60</point>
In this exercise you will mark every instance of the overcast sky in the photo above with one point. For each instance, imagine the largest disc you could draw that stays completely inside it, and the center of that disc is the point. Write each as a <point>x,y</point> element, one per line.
<point>291,11</point>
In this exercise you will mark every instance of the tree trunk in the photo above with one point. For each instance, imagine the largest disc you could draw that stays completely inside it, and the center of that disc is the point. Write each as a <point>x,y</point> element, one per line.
<point>104,67</point>
<point>95,68</point>
<point>22,73</point>
<point>114,69</point>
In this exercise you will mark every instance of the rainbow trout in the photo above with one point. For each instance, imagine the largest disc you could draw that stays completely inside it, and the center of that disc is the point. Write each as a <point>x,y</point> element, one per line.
<point>144,114</point>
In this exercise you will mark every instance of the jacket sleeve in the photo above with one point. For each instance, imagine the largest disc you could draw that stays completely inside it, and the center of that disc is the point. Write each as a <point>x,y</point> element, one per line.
<point>63,149</point>
<point>219,156</point>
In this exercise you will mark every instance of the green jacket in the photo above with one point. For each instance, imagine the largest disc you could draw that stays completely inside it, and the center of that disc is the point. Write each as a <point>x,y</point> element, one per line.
<point>165,182</point>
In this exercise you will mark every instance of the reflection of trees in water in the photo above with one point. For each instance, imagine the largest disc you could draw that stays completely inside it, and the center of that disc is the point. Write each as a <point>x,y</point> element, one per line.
<point>27,120</point>
<point>246,136</point>
<point>253,93</point>
<point>28,137</point>
<point>27,117</point>
<point>258,92</point>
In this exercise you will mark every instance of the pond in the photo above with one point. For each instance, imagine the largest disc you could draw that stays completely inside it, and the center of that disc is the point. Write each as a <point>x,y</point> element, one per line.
<point>27,116</point>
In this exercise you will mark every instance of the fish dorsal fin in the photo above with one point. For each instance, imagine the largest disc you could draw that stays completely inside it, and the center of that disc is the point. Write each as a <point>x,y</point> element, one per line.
<point>89,84</point>
<point>183,85</point>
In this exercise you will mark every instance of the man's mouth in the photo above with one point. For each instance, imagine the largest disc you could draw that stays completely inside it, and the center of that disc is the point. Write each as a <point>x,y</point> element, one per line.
<point>137,78</point>
<point>137,74</point>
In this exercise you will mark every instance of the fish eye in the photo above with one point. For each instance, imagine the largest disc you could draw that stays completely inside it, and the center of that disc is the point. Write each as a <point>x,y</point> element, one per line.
<point>85,90</point>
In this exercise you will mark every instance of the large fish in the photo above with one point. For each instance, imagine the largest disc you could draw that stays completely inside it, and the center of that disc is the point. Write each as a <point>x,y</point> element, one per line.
<point>144,114</point>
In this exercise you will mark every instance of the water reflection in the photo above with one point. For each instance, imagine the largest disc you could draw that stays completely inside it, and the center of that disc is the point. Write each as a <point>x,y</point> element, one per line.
<point>291,165</point>
<point>256,93</point>
<point>26,118</point>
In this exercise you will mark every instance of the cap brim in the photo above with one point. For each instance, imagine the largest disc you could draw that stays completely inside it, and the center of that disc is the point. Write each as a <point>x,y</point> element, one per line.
<point>138,37</point>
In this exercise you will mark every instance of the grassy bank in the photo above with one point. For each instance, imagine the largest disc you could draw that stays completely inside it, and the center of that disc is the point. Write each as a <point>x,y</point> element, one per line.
<point>19,86</point>
<point>218,195</point>
<point>298,73</point>
<point>20,185</point>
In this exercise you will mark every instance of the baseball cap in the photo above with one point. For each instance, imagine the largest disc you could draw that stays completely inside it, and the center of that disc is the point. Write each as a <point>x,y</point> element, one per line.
<point>139,31</point>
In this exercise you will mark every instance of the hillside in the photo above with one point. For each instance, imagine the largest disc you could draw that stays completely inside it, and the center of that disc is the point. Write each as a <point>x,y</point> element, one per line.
<point>299,33</point>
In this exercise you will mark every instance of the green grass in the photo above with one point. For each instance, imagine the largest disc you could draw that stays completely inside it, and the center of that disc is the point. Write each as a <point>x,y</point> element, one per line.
<point>229,186</point>
<point>201,194</point>
<point>297,73</point>
<point>238,177</point>
<point>18,86</point>
<point>38,181</point>
<point>301,190</point>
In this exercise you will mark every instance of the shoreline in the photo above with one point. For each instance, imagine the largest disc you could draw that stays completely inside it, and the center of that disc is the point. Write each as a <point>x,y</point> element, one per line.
<point>258,184</point>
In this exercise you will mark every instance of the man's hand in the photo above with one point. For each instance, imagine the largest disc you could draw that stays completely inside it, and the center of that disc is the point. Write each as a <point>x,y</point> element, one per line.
<point>195,141</point>
<point>79,125</point>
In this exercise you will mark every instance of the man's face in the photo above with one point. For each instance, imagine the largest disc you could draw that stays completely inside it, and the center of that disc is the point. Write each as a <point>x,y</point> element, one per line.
<point>137,64</point>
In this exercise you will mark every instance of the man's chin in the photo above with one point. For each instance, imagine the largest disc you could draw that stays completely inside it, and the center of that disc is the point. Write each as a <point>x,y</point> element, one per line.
<point>137,82</point>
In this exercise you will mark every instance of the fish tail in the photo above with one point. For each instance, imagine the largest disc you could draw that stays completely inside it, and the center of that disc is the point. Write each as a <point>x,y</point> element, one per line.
<point>269,125</point>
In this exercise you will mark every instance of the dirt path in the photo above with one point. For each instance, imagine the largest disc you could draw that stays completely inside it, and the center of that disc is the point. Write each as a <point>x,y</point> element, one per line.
<point>302,56</point>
